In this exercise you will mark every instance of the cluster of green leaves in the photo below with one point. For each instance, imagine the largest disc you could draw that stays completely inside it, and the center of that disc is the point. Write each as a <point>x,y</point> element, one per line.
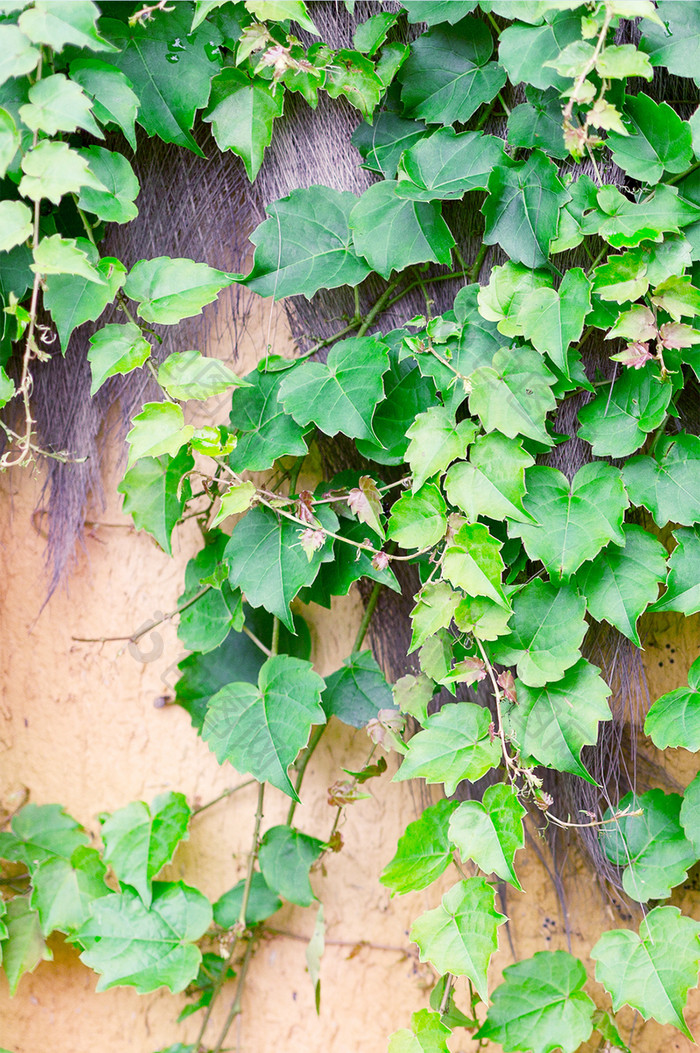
<point>451,415</point>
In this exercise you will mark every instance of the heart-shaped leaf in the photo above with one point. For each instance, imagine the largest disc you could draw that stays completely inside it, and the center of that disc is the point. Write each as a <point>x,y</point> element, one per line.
<point>652,971</point>
<point>541,1005</point>
<point>490,831</point>
<point>461,934</point>
<point>128,944</point>
<point>261,729</point>
<point>140,839</point>
<point>454,745</point>
<point>552,723</point>
<point>423,852</point>
<point>547,630</point>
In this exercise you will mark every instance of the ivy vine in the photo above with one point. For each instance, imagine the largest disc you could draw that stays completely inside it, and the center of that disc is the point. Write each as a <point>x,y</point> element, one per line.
<point>453,416</point>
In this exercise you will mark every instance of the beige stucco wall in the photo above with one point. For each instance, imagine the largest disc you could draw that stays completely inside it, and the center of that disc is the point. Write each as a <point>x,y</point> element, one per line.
<point>78,726</point>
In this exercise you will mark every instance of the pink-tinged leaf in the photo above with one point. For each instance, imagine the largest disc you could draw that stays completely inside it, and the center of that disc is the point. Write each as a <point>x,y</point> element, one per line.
<point>311,541</point>
<point>469,671</point>
<point>635,355</point>
<point>506,683</point>
<point>677,335</point>
<point>380,561</point>
<point>366,503</point>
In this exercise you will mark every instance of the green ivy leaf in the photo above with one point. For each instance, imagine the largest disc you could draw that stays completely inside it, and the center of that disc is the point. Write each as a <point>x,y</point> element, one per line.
<point>171,83</point>
<point>113,99</point>
<point>412,695</point>
<point>621,278</point>
<point>473,562</point>
<point>652,847</point>
<point>675,43</point>
<point>10,141</point>
<point>393,232</point>
<point>280,11</point>
<point>674,719</point>
<point>305,245</point>
<point>207,621</point>
<point>237,658</point>
<point>447,164</point>
<point>381,144</point>
<point>423,852</point>
<point>261,729</point>
<point>514,395</point>
<point>73,299</point>
<point>130,945</point>
<point>40,832</point>
<point>286,856</point>
<point>353,75</point>
<point>114,204</point>
<point>370,35</point>
<point>616,422</point>
<point>553,320</point>
<point>241,112</point>
<point>168,290</point>
<point>435,605</point>
<point>428,1034</point>
<point>7,388</point>
<point>619,61</point>
<point>677,296</point>
<point>682,586</point>
<point>538,123</point>
<point>571,521</point>
<point>268,432</point>
<point>267,563</point>
<point>570,230</point>
<point>547,631</point>
<point>624,223</point>
<point>461,934</point>
<point>339,395</point>
<point>526,51</point>
<point>659,141</point>
<point>357,691</point>
<point>552,723</point>
<point>490,831</point>
<point>57,104</point>
<point>418,520</point>
<point>262,902</point>
<point>482,617</point>
<point>522,208</point>
<point>541,1005</point>
<point>24,946</point>
<point>159,428</point>
<point>433,11</point>
<point>18,55</point>
<point>57,23</point>
<point>689,813</point>
<point>57,255</point>
<point>455,744</point>
<point>652,971</point>
<point>191,375</point>
<point>620,583</point>
<point>16,224</point>
<point>669,487</point>
<point>508,289</point>
<point>447,75</point>
<point>435,441</point>
<point>116,349</point>
<point>492,482</point>
<point>155,494</point>
<point>140,839</point>
<point>65,889</point>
